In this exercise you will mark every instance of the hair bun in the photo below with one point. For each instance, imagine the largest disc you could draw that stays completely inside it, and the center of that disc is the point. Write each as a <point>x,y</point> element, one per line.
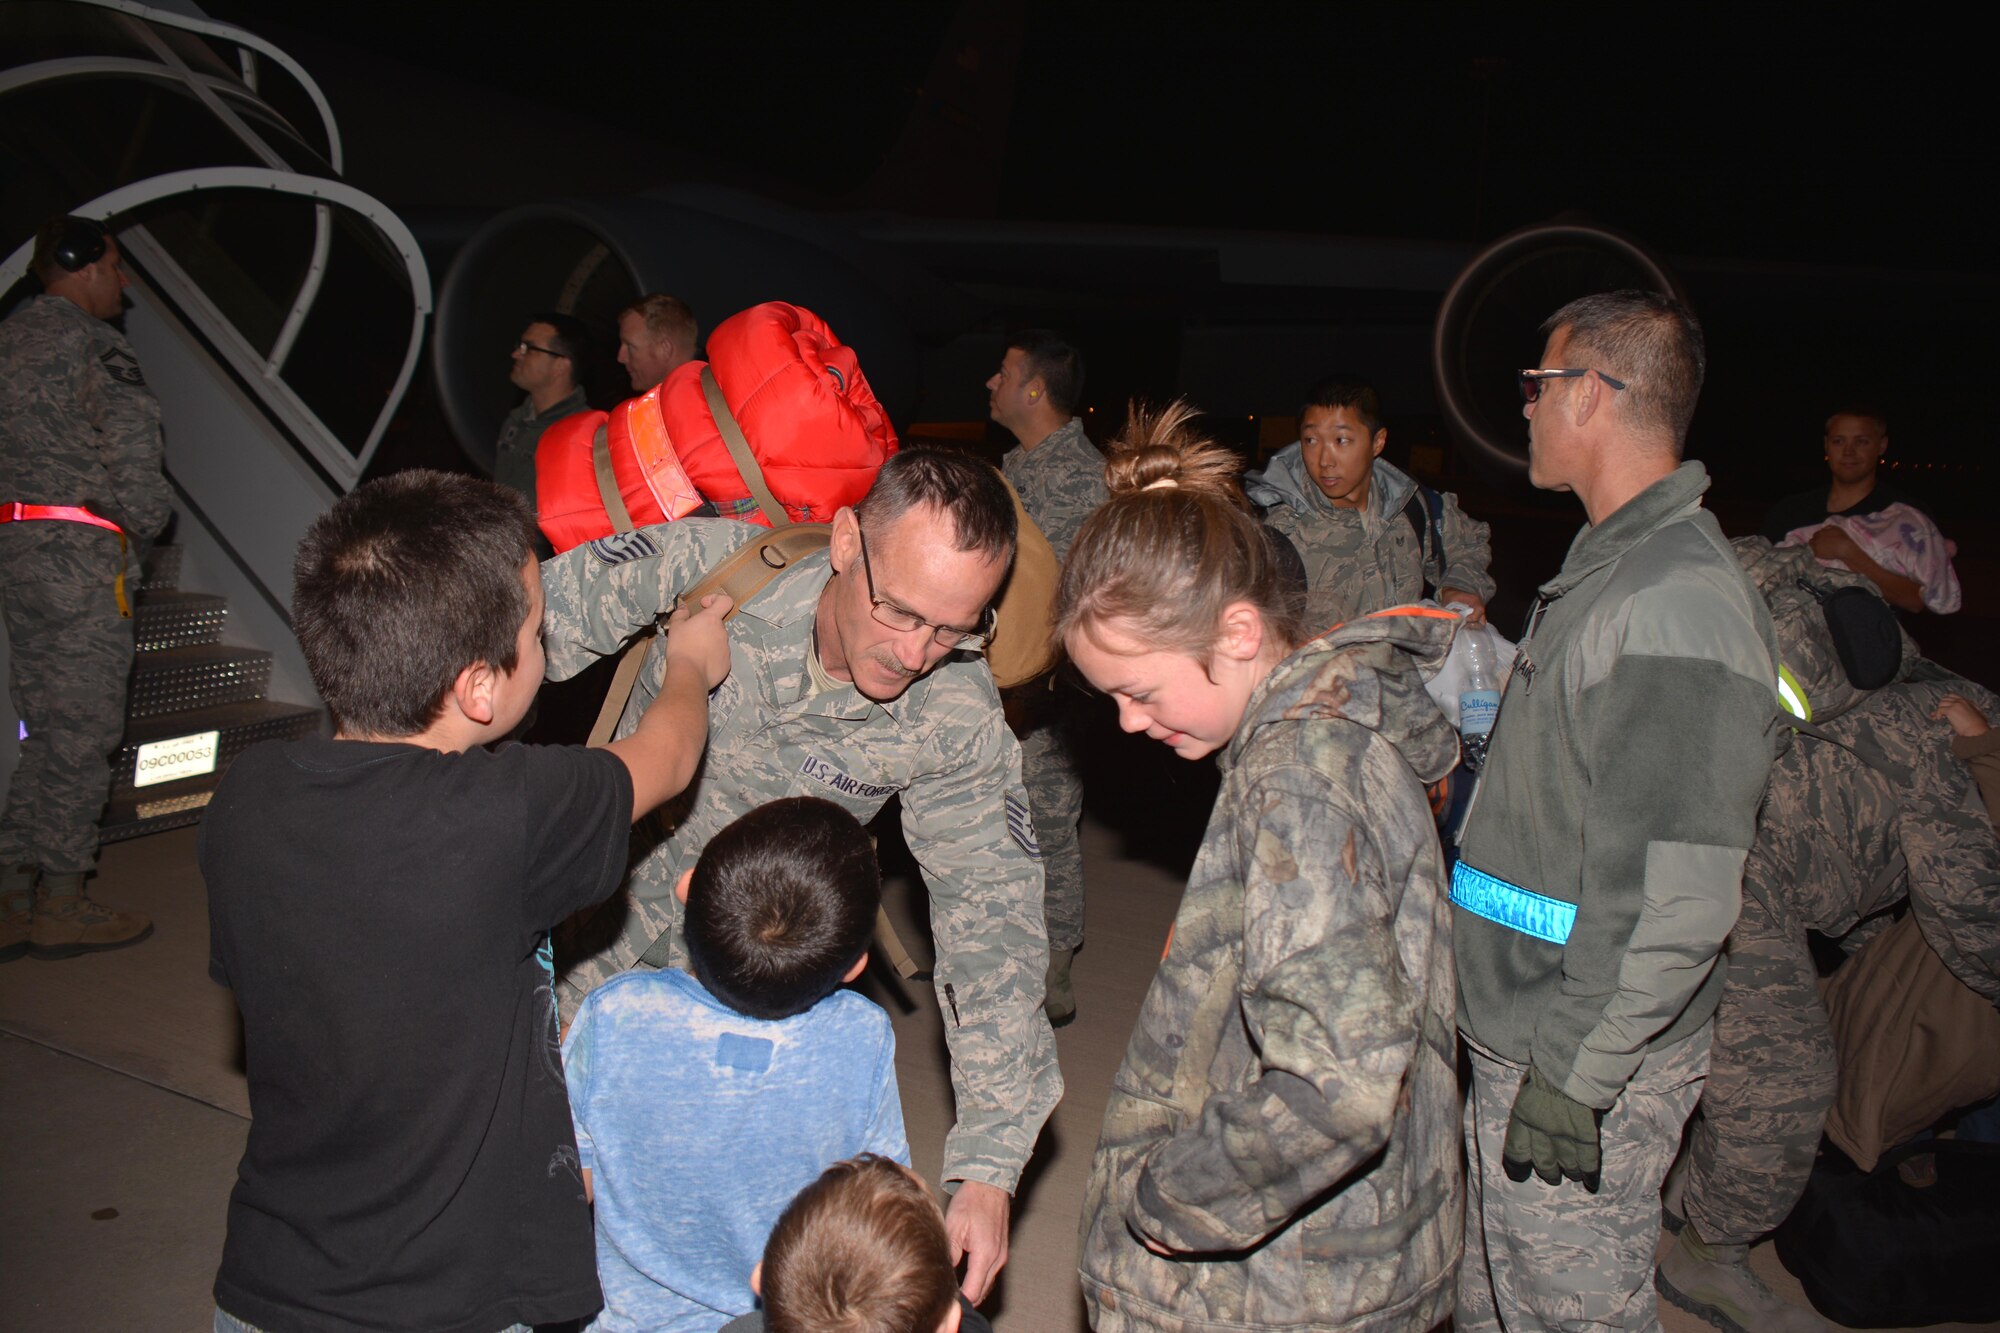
<point>1160,450</point>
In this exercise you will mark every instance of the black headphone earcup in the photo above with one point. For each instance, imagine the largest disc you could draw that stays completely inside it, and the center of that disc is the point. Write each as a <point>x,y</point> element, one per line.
<point>81,245</point>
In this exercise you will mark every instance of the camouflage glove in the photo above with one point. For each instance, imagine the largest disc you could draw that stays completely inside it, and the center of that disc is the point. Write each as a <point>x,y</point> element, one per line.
<point>1553,1134</point>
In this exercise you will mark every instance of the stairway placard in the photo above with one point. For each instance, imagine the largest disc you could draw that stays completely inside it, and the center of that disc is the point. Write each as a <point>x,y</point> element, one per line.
<point>180,757</point>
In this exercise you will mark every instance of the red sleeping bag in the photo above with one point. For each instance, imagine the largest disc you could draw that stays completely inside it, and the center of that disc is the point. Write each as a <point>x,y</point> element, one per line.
<point>798,393</point>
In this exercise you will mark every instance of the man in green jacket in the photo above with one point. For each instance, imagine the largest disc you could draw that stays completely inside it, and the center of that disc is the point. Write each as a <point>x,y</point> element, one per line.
<point>1602,860</point>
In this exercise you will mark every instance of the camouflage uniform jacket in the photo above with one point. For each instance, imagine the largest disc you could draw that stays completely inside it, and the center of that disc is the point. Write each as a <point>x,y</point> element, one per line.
<point>1361,560</point>
<point>1850,825</point>
<point>1286,1118</point>
<point>77,426</point>
<point>1060,480</point>
<point>942,746</point>
<point>1623,777</point>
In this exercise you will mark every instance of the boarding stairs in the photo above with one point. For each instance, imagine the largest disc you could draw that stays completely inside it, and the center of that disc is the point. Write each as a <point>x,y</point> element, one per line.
<point>194,704</point>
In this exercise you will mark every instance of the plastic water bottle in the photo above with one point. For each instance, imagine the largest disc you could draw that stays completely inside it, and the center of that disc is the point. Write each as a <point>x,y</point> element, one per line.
<point>1479,701</point>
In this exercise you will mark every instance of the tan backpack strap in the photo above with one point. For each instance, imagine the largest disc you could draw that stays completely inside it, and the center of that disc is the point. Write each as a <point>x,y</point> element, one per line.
<point>607,483</point>
<point>739,450</point>
<point>622,685</point>
<point>743,575</point>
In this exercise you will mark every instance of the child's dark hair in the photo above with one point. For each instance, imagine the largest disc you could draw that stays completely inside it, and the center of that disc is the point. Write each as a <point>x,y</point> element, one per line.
<point>402,585</point>
<point>860,1250</point>
<point>782,903</point>
<point>1174,545</point>
<point>1347,391</point>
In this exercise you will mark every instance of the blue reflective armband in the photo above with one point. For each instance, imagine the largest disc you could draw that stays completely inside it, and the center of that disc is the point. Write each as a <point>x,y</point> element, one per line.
<point>1511,905</point>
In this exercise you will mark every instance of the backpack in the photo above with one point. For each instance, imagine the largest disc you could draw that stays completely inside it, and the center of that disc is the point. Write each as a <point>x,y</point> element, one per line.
<point>1838,641</point>
<point>1874,1251</point>
<point>1425,510</point>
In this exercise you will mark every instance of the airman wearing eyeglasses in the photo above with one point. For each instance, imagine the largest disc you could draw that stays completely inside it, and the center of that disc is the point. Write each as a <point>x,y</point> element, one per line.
<point>856,676</point>
<point>1601,864</point>
<point>544,367</point>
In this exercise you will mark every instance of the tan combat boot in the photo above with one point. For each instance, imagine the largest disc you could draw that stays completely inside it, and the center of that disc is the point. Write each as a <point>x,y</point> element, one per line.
<point>1714,1282</point>
<point>67,924</point>
<point>1059,1002</point>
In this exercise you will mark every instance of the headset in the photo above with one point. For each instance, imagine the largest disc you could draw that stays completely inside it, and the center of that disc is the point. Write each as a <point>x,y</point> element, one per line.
<point>81,244</point>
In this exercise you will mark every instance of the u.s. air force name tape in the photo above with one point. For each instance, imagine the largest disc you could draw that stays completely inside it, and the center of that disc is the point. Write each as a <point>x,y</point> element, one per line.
<point>824,773</point>
<point>1510,905</point>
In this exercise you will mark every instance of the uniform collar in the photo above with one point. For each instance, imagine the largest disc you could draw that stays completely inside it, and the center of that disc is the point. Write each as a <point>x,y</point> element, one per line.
<point>563,407</point>
<point>1668,500</point>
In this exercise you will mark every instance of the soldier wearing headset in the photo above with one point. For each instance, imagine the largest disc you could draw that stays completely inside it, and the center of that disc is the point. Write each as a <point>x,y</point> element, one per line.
<point>81,493</point>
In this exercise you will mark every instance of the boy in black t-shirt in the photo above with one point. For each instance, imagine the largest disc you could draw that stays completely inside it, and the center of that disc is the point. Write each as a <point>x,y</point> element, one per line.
<point>380,902</point>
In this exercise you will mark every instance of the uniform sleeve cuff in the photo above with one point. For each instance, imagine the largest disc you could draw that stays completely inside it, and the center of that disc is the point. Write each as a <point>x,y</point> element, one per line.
<point>1975,747</point>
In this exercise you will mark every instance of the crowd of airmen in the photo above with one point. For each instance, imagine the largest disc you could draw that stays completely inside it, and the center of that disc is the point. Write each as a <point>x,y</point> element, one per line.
<point>1638,774</point>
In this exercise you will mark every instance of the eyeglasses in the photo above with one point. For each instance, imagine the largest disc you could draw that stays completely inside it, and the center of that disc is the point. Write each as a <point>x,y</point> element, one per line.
<point>530,347</point>
<point>1533,380</point>
<point>896,618</point>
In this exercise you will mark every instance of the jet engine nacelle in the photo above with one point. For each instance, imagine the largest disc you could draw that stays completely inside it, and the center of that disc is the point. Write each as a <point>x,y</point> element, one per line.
<point>1486,329</point>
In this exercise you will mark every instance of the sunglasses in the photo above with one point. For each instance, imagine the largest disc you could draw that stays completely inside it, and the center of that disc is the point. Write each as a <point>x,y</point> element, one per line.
<point>1533,380</point>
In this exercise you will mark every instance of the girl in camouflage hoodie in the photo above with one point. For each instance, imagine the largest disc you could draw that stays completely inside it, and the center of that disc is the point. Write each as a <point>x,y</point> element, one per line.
<point>1281,1146</point>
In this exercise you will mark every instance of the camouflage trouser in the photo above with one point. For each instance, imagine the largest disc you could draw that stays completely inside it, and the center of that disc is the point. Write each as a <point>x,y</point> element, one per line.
<point>71,656</point>
<point>1542,1257</point>
<point>602,942</point>
<point>1055,796</point>
<point>1771,1081</point>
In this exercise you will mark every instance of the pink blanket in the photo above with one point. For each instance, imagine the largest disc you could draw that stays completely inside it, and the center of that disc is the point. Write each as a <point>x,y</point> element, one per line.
<point>1903,541</point>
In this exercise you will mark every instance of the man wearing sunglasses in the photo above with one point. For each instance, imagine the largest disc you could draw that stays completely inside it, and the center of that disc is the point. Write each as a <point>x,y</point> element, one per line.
<point>855,675</point>
<point>1602,859</point>
<point>544,368</point>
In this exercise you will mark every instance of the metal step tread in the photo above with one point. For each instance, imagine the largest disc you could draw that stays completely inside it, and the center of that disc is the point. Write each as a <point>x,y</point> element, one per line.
<point>174,619</point>
<point>171,680</point>
<point>215,717</point>
<point>163,569</point>
<point>196,655</point>
<point>156,809</point>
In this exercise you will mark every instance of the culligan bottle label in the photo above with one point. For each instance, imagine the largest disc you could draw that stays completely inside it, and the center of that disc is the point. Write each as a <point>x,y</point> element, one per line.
<point>1476,709</point>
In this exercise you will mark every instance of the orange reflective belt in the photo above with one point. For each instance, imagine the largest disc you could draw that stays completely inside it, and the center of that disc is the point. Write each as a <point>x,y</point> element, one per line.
<point>13,511</point>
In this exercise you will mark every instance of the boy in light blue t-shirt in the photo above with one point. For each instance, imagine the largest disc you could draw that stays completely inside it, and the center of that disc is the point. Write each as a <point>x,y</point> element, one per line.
<point>703,1103</point>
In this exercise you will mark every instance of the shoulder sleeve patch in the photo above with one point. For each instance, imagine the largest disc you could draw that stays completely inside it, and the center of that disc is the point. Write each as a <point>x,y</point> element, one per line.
<point>122,366</point>
<point>1021,824</point>
<point>621,547</point>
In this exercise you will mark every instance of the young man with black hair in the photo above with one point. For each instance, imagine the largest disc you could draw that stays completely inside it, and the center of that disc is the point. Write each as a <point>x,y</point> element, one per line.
<point>1371,536</point>
<point>380,902</point>
<point>704,1102</point>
